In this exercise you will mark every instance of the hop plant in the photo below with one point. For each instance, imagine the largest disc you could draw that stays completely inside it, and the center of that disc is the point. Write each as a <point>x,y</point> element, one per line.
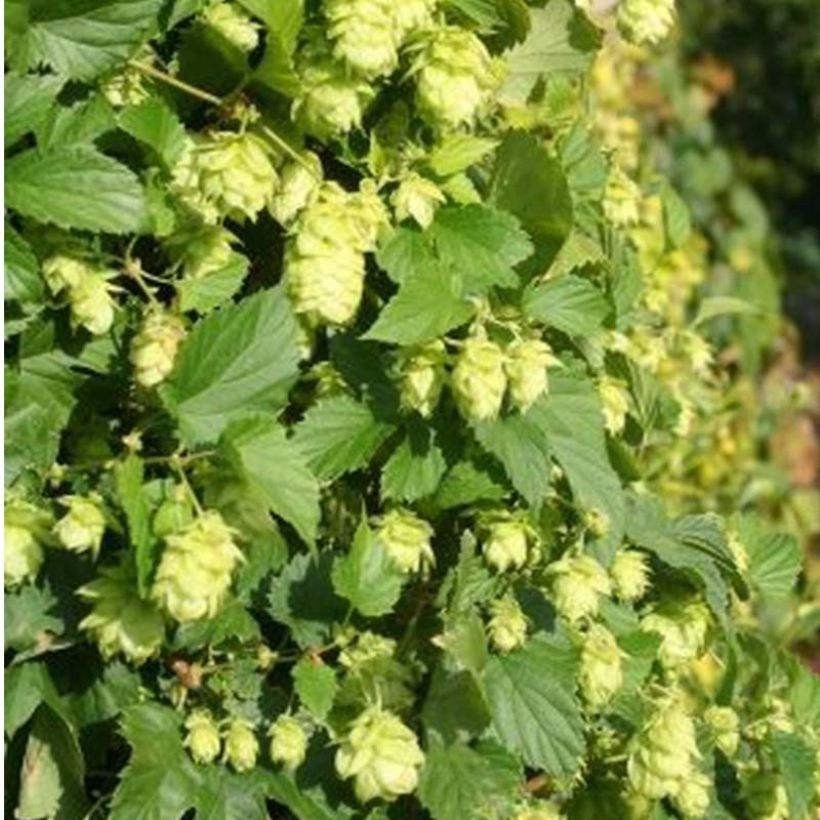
<point>288,742</point>
<point>630,575</point>
<point>422,377</point>
<point>365,35</point>
<point>683,627</point>
<point>233,24</point>
<point>381,754</point>
<point>615,402</point>
<point>766,796</point>
<point>25,531</point>
<point>194,573</point>
<point>694,795</point>
<point>406,538</point>
<point>479,380</point>
<point>507,626</point>
<point>154,348</point>
<point>226,174</point>
<point>725,726</point>
<point>203,250</point>
<point>82,528</point>
<point>120,621</point>
<point>601,673</point>
<point>578,583</point>
<point>455,77</point>
<point>203,739</point>
<point>300,183</point>
<point>621,198</point>
<point>126,87</point>
<point>506,544</point>
<point>63,271</point>
<point>241,745</point>
<point>646,21</point>
<point>539,810</point>
<point>417,198</point>
<point>526,366</point>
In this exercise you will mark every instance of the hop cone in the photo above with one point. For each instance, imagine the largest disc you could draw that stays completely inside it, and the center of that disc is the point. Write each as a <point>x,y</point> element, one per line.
<point>479,380</point>
<point>155,346</point>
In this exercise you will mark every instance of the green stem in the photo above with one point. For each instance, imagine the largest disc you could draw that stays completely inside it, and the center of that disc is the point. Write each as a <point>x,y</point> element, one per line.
<point>149,70</point>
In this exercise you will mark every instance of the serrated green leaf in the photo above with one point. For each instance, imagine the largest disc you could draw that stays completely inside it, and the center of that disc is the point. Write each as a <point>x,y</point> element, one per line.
<point>404,253</point>
<point>27,102</point>
<point>569,303</point>
<point>415,468</point>
<point>283,19</point>
<point>315,683</point>
<point>775,559</point>
<point>152,122</point>
<point>276,467</point>
<point>30,617</point>
<point>713,306</point>
<point>533,705</point>
<point>27,685</point>
<point>237,361</point>
<point>466,483</point>
<point>216,288</point>
<point>78,124</point>
<point>578,251</point>
<point>427,305</point>
<point>367,575</point>
<point>232,623</point>
<point>457,152</point>
<point>796,762</point>
<point>340,434</point>
<point>455,706</point>
<point>75,187</point>
<point>22,280</point>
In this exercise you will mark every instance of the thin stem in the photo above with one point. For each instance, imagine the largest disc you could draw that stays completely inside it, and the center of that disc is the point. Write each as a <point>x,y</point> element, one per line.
<point>180,471</point>
<point>206,96</point>
<point>294,155</point>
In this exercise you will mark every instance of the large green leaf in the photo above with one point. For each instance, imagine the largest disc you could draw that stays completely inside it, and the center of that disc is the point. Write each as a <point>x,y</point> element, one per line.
<point>27,102</point>
<point>534,709</point>
<point>775,559</point>
<point>238,361</point>
<point>415,468</point>
<point>22,280</point>
<point>152,122</point>
<point>569,303</point>
<point>315,683</point>
<point>75,187</point>
<point>796,762</point>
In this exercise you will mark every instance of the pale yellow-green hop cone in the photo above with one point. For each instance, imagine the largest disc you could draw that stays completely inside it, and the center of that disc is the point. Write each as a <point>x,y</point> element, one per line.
<point>526,367</point>
<point>92,305</point>
<point>615,403</point>
<point>154,348</point>
<point>126,87</point>
<point>646,21</point>
<point>62,271</point>
<point>601,673</point>
<point>202,251</point>
<point>381,754</point>
<point>25,530</point>
<point>233,24</point>
<point>368,646</point>
<point>506,545</point>
<point>724,725</point>
<point>241,745</point>
<point>194,574</point>
<point>364,35</point>
<point>120,622</point>
<point>507,626</point>
<point>288,742</point>
<point>578,584</point>
<point>81,529</point>
<point>455,78</point>
<point>413,16</point>
<point>417,198</point>
<point>406,538</point>
<point>665,753</point>
<point>479,380</point>
<point>332,101</point>
<point>694,795</point>
<point>766,797</point>
<point>697,351</point>
<point>539,810</point>
<point>683,628</point>
<point>299,187</point>
<point>203,739</point>
<point>368,215</point>
<point>630,575</point>
<point>225,174</point>
<point>422,377</point>
<point>621,199</point>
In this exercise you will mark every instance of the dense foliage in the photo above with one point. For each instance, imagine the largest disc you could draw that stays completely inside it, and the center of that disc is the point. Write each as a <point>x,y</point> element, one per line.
<point>376,440</point>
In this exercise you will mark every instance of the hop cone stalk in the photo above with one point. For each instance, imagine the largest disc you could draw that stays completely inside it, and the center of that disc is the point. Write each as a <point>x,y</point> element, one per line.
<point>578,583</point>
<point>381,754</point>
<point>194,573</point>
<point>154,348</point>
<point>479,380</point>
<point>81,529</point>
<point>406,538</point>
<point>203,739</point>
<point>288,742</point>
<point>508,625</point>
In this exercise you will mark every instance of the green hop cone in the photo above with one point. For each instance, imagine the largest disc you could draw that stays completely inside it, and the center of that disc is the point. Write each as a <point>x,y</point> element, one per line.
<point>381,754</point>
<point>25,530</point>
<point>288,742</point>
<point>766,797</point>
<point>621,199</point>
<point>126,87</point>
<point>203,739</point>
<point>422,377</point>
<point>62,271</point>
<point>412,16</point>
<point>331,101</point>
<point>615,403</point>
<point>233,24</point>
<point>81,529</point>
<point>601,673</point>
<point>724,724</point>
<point>683,627</point>
<point>479,380</point>
<point>120,622</point>
<point>225,174</point>
<point>694,795</point>
<point>241,745</point>
<point>539,810</point>
<point>299,187</point>
<point>665,753</point>
<point>507,626</point>
<point>578,583</point>
<point>630,575</point>
<point>406,539</point>
<point>506,545</point>
<point>194,573</point>
<point>455,78</point>
<point>368,647</point>
<point>202,251</point>
<point>646,21</point>
<point>91,303</point>
<point>154,348</point>
<point>526,367</point>
<point>417,198</point>
<point>364,34</point>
